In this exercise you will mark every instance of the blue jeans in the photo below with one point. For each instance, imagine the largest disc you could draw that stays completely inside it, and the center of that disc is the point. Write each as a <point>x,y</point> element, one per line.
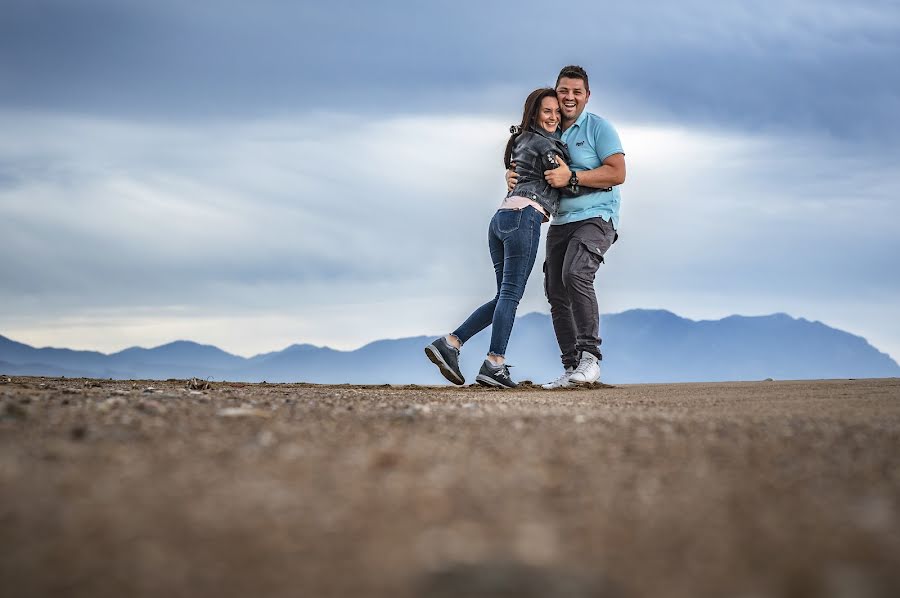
<point>513,238</point>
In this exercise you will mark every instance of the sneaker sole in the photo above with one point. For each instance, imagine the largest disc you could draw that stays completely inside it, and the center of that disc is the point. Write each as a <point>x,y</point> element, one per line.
<point>487,381</point>
<point>551,387</point>
<point>579,382</point>
<point>438,360</point>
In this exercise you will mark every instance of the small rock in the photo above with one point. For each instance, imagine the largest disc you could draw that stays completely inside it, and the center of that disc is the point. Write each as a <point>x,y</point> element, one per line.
<point>110,404</point>
<point>408,414</point>
<point>14,411</point>
<point>5,379</point>
<point>78,432</point>
<point>385,460</point>
<point>151,407</point>
<point>243,412</point>
<point>198,384</point>
<point>149,390</point>
<point>265,439</point>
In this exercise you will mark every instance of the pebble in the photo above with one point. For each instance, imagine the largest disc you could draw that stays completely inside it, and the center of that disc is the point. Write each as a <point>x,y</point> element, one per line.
<point>265,438</point>
<point>14,411</point>
<point>242,412</point>
<point>110,404</point>
<point>198,384</point>
<point>78,432</point>
<point>151,407</point>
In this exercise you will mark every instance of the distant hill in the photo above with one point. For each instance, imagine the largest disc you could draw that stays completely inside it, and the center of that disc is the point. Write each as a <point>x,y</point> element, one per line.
<point>638,346</point>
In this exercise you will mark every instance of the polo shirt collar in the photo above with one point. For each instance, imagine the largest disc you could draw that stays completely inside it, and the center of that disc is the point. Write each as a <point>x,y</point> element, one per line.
<point>581,119</point>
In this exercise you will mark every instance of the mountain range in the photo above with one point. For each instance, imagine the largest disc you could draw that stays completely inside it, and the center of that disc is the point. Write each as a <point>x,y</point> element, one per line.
<point>639,346</point>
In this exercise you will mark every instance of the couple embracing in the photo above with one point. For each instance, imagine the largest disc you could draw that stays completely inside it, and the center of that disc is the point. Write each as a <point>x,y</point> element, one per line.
<point>566,164</point>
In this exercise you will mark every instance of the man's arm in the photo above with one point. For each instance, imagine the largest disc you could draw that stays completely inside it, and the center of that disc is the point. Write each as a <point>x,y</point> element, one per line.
<point>608,174</point>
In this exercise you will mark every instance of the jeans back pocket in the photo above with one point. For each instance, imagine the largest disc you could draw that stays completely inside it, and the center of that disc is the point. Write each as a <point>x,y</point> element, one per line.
<point>507,220</point>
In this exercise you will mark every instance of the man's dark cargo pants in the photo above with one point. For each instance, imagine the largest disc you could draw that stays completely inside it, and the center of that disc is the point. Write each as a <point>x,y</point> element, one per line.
<point>574,254</point>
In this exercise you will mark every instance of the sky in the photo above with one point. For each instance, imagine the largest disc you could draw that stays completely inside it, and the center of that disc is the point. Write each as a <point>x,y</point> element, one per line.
<point>257,174</point>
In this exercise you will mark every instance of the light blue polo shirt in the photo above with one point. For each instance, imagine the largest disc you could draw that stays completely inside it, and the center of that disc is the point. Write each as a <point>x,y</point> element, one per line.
<point>591,140</point>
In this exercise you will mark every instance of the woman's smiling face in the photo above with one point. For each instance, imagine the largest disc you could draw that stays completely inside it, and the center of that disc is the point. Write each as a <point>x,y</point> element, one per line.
<point>548,114</point>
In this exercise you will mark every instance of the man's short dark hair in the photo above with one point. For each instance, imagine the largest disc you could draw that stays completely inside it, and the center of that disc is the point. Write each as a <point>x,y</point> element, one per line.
<point>574,72</point>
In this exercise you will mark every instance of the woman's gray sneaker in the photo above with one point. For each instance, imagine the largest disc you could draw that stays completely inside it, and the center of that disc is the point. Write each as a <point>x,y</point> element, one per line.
<point>494,375</point>
<point>446,357</point>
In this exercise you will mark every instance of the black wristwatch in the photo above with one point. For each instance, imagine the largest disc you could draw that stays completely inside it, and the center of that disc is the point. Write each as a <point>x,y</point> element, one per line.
<point>573,182</point>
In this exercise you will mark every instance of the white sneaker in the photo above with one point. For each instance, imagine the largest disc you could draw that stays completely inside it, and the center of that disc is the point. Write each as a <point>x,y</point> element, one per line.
<point>588,370</point>
<point>561,382</point>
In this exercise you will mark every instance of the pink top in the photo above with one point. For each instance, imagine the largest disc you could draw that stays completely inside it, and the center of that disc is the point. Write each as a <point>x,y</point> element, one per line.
<point>517,202</point>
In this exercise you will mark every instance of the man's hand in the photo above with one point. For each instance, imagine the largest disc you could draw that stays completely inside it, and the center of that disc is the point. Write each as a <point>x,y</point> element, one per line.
<point>558,177</point>
<point>511,176</point>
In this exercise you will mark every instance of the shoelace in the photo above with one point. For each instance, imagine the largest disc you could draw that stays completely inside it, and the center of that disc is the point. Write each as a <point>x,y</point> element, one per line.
<point>504,371</point>
<point>582,367</point>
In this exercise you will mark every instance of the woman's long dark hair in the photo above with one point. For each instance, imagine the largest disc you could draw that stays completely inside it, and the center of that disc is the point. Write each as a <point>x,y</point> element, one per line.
<point>529,117</point>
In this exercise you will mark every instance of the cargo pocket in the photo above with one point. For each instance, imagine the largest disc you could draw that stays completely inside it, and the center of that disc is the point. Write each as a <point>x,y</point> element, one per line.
<point>586,261</point>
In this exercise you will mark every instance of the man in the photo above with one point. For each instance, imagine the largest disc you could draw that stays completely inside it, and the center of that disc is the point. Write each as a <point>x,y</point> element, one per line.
<point>583,230</point>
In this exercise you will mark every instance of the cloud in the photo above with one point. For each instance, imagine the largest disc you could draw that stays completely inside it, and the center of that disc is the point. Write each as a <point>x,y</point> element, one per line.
<point>259,174</point>
<point>820,67</point>
<point>339,229</point>
<point>125,213</point>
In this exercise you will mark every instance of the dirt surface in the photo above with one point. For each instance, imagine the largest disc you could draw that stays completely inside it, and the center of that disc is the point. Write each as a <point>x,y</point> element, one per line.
<point>744,490</point>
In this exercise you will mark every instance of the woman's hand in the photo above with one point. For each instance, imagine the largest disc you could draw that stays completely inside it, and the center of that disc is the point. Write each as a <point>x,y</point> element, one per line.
<point>558,177</point>
<point>511,176</point>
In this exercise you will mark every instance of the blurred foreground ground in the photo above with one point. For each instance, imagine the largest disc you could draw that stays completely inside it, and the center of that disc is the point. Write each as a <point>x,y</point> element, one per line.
<point>744,490</point>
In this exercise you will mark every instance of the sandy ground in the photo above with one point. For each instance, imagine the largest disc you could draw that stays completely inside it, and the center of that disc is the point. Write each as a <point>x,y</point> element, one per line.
<point>744,490</point>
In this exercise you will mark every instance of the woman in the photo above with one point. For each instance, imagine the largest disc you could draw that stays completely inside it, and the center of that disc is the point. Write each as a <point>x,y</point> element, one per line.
<point>513,237</point>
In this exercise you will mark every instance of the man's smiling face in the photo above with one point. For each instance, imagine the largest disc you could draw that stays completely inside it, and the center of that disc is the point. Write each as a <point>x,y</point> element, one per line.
<point>573,97</point>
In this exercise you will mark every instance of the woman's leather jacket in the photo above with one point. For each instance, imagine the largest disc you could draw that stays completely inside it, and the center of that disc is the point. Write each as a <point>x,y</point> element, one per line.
<point>533,152</point>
